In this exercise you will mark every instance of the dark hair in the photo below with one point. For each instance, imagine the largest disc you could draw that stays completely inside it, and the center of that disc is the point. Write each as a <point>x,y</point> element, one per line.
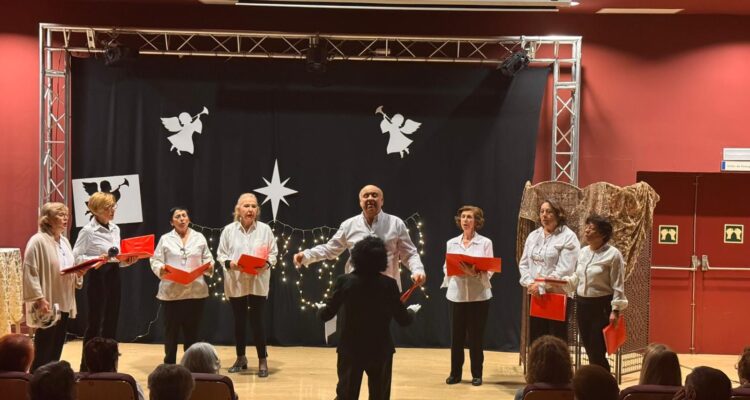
<point>706,383</point>
<point>593,382</point>
<point>369,256</point>
<point>743,366</point>
<point>661,367</point>
<point>101,355</point>
<point>478,216</point>
<point>16,352</point>
<point>602,225</point>
<point>170,382</point>
<point>557,210</point>
<point>175,209</point>
<point>53,381</point>
<point>549,361</point>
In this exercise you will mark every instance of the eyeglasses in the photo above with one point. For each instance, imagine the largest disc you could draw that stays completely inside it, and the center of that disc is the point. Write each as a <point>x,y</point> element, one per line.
<point>111,207</point>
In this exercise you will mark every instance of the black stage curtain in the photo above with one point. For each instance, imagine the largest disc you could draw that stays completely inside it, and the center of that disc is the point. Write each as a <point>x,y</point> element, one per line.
<point>475,145</point>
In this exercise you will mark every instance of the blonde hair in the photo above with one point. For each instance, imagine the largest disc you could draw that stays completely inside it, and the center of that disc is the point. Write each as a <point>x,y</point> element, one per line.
<point>99,201</point>
<point>478,216</point>
<point>239,201</point>
<point>49,211</point>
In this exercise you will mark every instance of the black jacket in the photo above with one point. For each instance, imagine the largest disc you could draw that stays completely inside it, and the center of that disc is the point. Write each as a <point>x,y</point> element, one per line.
<point>369,303</point>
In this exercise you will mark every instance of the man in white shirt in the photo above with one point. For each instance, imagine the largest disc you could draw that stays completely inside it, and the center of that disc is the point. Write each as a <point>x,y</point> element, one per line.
<point>372,222</point>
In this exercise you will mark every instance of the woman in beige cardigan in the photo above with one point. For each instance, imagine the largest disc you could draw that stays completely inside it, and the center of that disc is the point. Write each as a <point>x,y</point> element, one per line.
<point>47,252</point>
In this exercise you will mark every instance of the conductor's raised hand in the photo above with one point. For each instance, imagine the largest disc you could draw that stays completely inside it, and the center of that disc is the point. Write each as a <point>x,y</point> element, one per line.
<point>298,259</point>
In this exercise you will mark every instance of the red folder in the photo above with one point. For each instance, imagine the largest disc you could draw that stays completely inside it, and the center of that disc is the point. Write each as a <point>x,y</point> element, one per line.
<point>614,337</point>
<point>549,306</point>
<point>183,277</point>
<point>453,266</point>
<point>405,296</point>
<point>85,266</point>
<point>141,247</point>
<point>251,264</point>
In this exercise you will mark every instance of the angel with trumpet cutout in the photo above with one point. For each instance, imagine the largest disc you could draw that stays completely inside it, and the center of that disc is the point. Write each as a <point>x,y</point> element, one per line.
<point>184,126</point>
<point>398,128</point>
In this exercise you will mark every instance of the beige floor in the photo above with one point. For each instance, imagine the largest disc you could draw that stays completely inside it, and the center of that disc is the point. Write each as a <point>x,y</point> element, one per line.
<point>310,372</point>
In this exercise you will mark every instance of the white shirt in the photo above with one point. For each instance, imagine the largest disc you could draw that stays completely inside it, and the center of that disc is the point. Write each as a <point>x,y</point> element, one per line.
<point>464,288</point>
<point>390,228</point>
<point>192,255</point>
<point>236,241</point>
<point>95,240</point>
<point>553,256</point>
<point>600,273</point>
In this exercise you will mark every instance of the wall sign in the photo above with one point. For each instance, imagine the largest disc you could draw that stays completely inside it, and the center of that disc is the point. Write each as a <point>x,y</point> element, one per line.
<point>668,234</point>
<point>733,233</point>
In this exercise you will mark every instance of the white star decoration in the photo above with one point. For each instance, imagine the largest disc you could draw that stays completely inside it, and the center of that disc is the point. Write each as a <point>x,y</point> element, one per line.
<point>275,190</point>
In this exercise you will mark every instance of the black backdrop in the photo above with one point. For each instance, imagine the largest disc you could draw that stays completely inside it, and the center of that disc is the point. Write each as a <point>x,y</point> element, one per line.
<point>476,145</point>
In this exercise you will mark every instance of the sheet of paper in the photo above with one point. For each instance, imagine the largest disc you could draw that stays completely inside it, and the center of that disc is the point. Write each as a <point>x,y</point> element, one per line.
<point>330,328</point>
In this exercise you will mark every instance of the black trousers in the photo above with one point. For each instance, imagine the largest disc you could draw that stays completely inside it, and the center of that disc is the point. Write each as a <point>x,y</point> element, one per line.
<point>257,305</point>
<point>350,371</point>
<point>181,315</point>
<point>593,316</point>
<point>48,343</point>
<point>542,326</point>
<point>469,320</point>
<point>103,295</point>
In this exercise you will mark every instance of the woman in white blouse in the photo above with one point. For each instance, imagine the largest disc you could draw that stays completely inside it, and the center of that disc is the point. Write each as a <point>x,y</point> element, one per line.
<point>184,249</point>
<point>247,293</point>
<point>599,283</point>
<point>48,252</point>
<point>551,251</point>
<point>469,295</point>
<point>95,240</point>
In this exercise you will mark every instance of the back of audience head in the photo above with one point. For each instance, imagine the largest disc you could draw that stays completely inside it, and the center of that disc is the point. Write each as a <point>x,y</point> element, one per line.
<point>369,256</point>
<point>549,361</point>
<point>101,355</point>
<point>53,381</point>
<point>201,357</point>
<point>170,382</point>
<point>592,382</point>
<point>16,352</point>
<point>706,383</point>
<point>660,367</point>
<point>743,367</point>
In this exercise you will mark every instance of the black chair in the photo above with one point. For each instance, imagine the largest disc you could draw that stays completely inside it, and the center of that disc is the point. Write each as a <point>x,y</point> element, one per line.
<point>213,387</point>
<point>741,394</point>
<point>106,385</point>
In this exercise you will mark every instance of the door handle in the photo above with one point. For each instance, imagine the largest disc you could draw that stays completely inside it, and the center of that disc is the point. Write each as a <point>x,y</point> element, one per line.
<point>696,263</point>
<point>704,263</point>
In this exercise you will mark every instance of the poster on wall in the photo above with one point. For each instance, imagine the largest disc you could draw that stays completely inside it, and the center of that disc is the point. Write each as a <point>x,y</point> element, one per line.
<point>125,188</point>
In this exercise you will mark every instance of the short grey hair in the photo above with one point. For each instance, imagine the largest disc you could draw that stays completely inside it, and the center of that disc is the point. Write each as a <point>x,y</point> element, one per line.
<point>201,357</point>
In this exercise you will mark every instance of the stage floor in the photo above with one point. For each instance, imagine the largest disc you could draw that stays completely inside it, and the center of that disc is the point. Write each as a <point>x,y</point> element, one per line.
<point>310,372</point>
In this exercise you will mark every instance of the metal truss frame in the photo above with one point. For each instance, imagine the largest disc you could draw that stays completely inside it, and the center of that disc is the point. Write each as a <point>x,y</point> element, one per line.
<point>58,42</point>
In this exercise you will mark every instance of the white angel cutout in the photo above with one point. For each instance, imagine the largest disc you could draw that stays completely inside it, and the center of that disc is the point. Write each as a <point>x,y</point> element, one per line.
<point>398,128</point>
<point>184,125</point>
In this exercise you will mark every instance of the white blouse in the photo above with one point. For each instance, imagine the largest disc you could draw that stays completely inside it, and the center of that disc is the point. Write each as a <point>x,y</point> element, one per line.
<point>552,256</point>
<point>256,241</point>
<point>464,288</point>
<point>192,255</point>
<point>600,273</point>
<point>94,240</point>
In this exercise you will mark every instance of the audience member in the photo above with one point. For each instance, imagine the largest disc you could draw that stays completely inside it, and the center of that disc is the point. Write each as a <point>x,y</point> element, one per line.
<point>705,383</point>
<point>102,355</point>
<point>53,381</point>
<point>16,352</point>
<point>593,382</point>
<point>170,382</point>
<point>660,367</point>
<point>743,368</point>
<point>201,357</point>
<point>548,362</point>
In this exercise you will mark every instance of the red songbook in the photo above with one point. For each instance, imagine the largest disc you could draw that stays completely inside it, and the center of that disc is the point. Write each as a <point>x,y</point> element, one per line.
<point>614,336</point>
<point>453,265</point>
<point>549,306</point>
<point>405,296</point>
<point>184,277</point>
<point>141,247</point>
<point>251,264</point>
<point>85,266</point>
<point>551,281</point>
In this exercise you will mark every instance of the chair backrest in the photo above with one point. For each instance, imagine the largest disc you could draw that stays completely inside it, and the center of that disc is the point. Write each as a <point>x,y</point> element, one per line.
<point>106,385</point>
<point>212,387</point>
<point>547,391</point>
<point>649,392</point>
<point>14,385</point>
<point>741,394</point>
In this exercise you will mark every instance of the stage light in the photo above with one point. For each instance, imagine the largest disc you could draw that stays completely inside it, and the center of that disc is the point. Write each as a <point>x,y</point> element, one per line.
<point>316,56</point>
<point>516,62</point>
<point>116,54</point>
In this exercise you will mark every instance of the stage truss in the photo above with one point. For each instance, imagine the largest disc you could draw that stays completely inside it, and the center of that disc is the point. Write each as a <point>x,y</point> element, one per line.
<point>58,42</point>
